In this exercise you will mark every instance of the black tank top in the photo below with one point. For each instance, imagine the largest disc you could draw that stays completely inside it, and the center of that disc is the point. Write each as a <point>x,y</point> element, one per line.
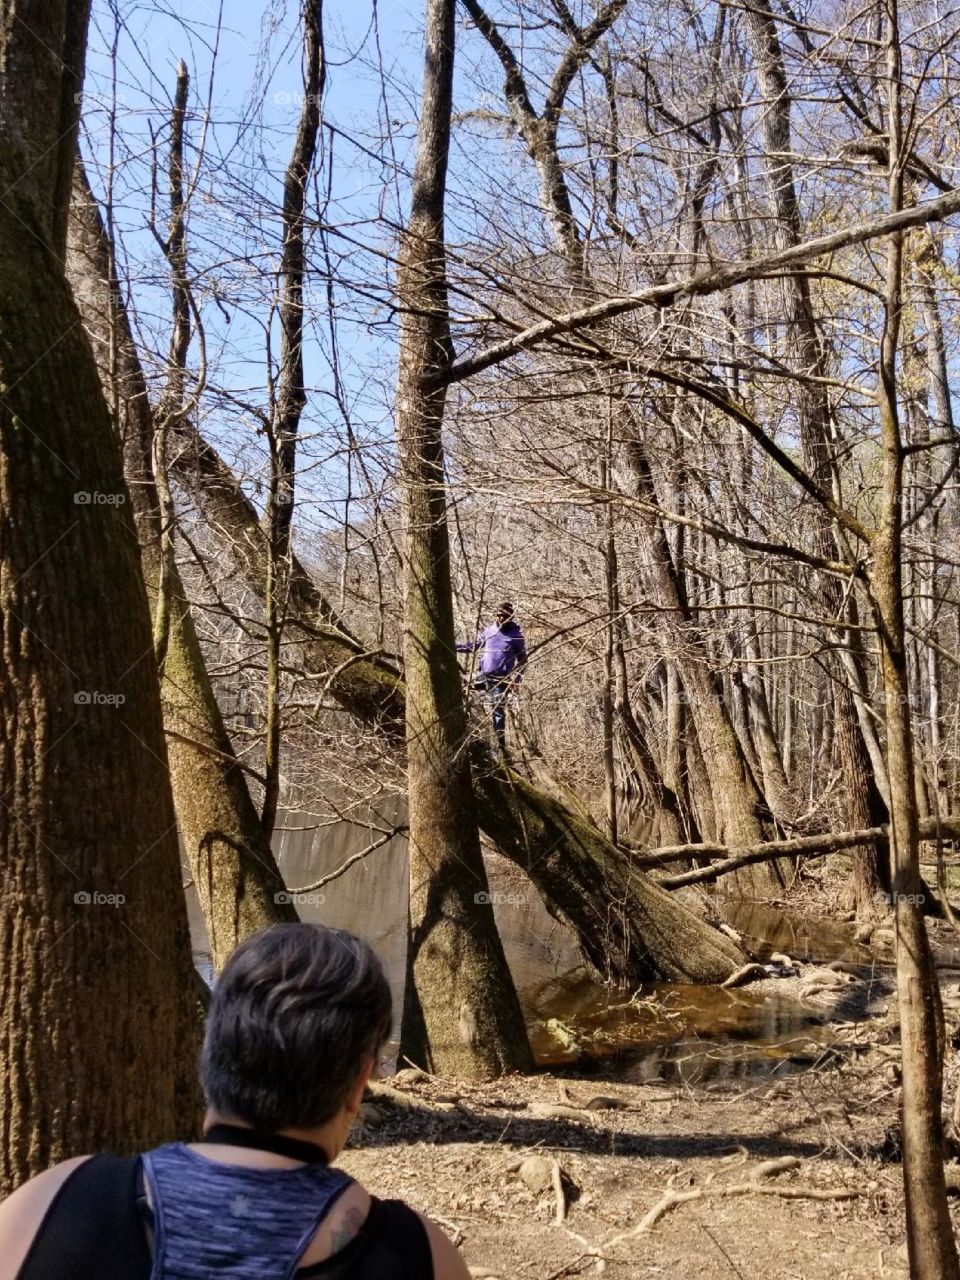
<point>94,1230</point>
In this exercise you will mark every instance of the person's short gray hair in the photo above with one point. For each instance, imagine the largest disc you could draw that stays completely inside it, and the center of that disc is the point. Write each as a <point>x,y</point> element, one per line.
<point>295,1014</point>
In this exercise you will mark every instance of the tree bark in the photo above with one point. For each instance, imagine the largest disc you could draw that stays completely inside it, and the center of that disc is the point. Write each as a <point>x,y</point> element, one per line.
<point>461,1014</point>
<point>92,917</point>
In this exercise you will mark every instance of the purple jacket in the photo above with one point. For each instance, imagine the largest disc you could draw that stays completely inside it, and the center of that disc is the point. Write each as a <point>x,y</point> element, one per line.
<point>503,649</point>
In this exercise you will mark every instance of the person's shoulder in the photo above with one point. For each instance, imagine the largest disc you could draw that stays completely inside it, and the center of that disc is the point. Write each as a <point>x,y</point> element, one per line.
<point>448,1263</point>
<point>350,1213</point>
<point>23,1211</point>
<point>344,1221</point>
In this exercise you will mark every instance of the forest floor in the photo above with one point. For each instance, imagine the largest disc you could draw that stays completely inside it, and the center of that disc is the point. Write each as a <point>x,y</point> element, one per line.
<point>667,1179</point>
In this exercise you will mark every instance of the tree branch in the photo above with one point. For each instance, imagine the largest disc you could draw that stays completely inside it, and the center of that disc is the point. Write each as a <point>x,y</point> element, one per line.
<point>702,284</point>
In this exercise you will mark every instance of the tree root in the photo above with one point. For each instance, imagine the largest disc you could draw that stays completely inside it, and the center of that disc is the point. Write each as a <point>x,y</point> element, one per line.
<point>673,1199</point>
<point>556,1177</point>
<point>746,973</point>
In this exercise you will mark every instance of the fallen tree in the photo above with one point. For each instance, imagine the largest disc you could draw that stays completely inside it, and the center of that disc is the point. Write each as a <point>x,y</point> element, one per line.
<point>628,928</point>
<point>730,859</point>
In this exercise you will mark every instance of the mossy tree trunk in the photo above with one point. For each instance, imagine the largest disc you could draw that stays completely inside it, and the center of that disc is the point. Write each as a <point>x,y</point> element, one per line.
<point>461,1012</point>
<point>629,929</point>
<point>97,978</point>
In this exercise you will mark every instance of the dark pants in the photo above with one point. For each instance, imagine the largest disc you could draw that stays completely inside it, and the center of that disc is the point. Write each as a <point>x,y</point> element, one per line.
<point>497,692</point>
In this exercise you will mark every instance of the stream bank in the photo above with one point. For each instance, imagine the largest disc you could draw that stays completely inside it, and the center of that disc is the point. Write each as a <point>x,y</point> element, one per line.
<point>751,1132</point>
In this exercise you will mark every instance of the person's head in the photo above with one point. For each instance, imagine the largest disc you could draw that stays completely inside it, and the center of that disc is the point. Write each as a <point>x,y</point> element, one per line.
<point>297,1021</point>
<point>504,613</point>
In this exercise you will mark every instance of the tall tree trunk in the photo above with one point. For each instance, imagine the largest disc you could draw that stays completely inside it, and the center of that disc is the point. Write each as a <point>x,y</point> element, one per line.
<point>933,1254</point>
<point>938,388</point>
<point>238,883</point>
<point>740,814</point>
<point>291,395</point>
<point>92,916</point>
<point>461,1013</point>
<point>609,649</point>
<point>864,808</point>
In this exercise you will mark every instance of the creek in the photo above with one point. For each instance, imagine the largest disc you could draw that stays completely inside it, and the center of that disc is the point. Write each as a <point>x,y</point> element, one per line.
<point>665,1031</point>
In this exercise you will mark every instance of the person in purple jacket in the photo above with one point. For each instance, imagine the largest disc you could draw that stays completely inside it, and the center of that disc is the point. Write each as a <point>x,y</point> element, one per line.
<point>502,659</point>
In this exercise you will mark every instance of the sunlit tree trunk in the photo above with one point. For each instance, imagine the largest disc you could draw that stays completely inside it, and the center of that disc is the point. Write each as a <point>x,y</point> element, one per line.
<point>933,1254</point>
<point>461,1012</point>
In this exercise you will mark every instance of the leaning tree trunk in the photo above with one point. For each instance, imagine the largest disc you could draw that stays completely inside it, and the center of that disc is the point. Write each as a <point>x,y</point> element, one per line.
<point>740,811</point>
<point>96,970</point>
<point>238,883</point>
<point>628,928</point>
<point>461,1013</point>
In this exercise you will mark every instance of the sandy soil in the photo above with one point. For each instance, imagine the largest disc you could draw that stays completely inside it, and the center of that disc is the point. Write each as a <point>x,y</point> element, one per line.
<point>458,1153</point>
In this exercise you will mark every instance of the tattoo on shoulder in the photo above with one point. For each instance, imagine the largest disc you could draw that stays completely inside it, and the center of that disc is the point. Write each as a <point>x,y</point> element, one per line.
<point>345,1230</point>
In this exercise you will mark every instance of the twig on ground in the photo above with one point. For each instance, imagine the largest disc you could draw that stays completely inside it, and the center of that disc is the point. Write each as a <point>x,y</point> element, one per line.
<point>557,1179</point>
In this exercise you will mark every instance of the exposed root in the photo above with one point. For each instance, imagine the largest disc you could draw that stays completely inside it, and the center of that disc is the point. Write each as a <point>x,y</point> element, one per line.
<point>746,973</point>
<point>557,1179</point>
<point>673,1199</point>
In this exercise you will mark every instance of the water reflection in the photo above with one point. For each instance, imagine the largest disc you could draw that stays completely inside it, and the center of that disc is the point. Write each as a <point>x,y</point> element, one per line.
<point>768,930</point>
<point>665,1032</point>
<point>673,1032</point>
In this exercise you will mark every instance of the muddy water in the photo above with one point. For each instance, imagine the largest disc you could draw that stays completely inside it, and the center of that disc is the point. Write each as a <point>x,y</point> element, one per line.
<point>665,1032</point>
<point>768,930</point>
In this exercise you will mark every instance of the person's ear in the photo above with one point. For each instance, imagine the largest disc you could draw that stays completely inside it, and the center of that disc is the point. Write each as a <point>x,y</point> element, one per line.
<point>356,1094</point>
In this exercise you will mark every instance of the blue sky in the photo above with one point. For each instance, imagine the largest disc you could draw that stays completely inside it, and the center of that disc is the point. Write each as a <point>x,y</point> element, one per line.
<point>243,118</point>
<point>244,60</point>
